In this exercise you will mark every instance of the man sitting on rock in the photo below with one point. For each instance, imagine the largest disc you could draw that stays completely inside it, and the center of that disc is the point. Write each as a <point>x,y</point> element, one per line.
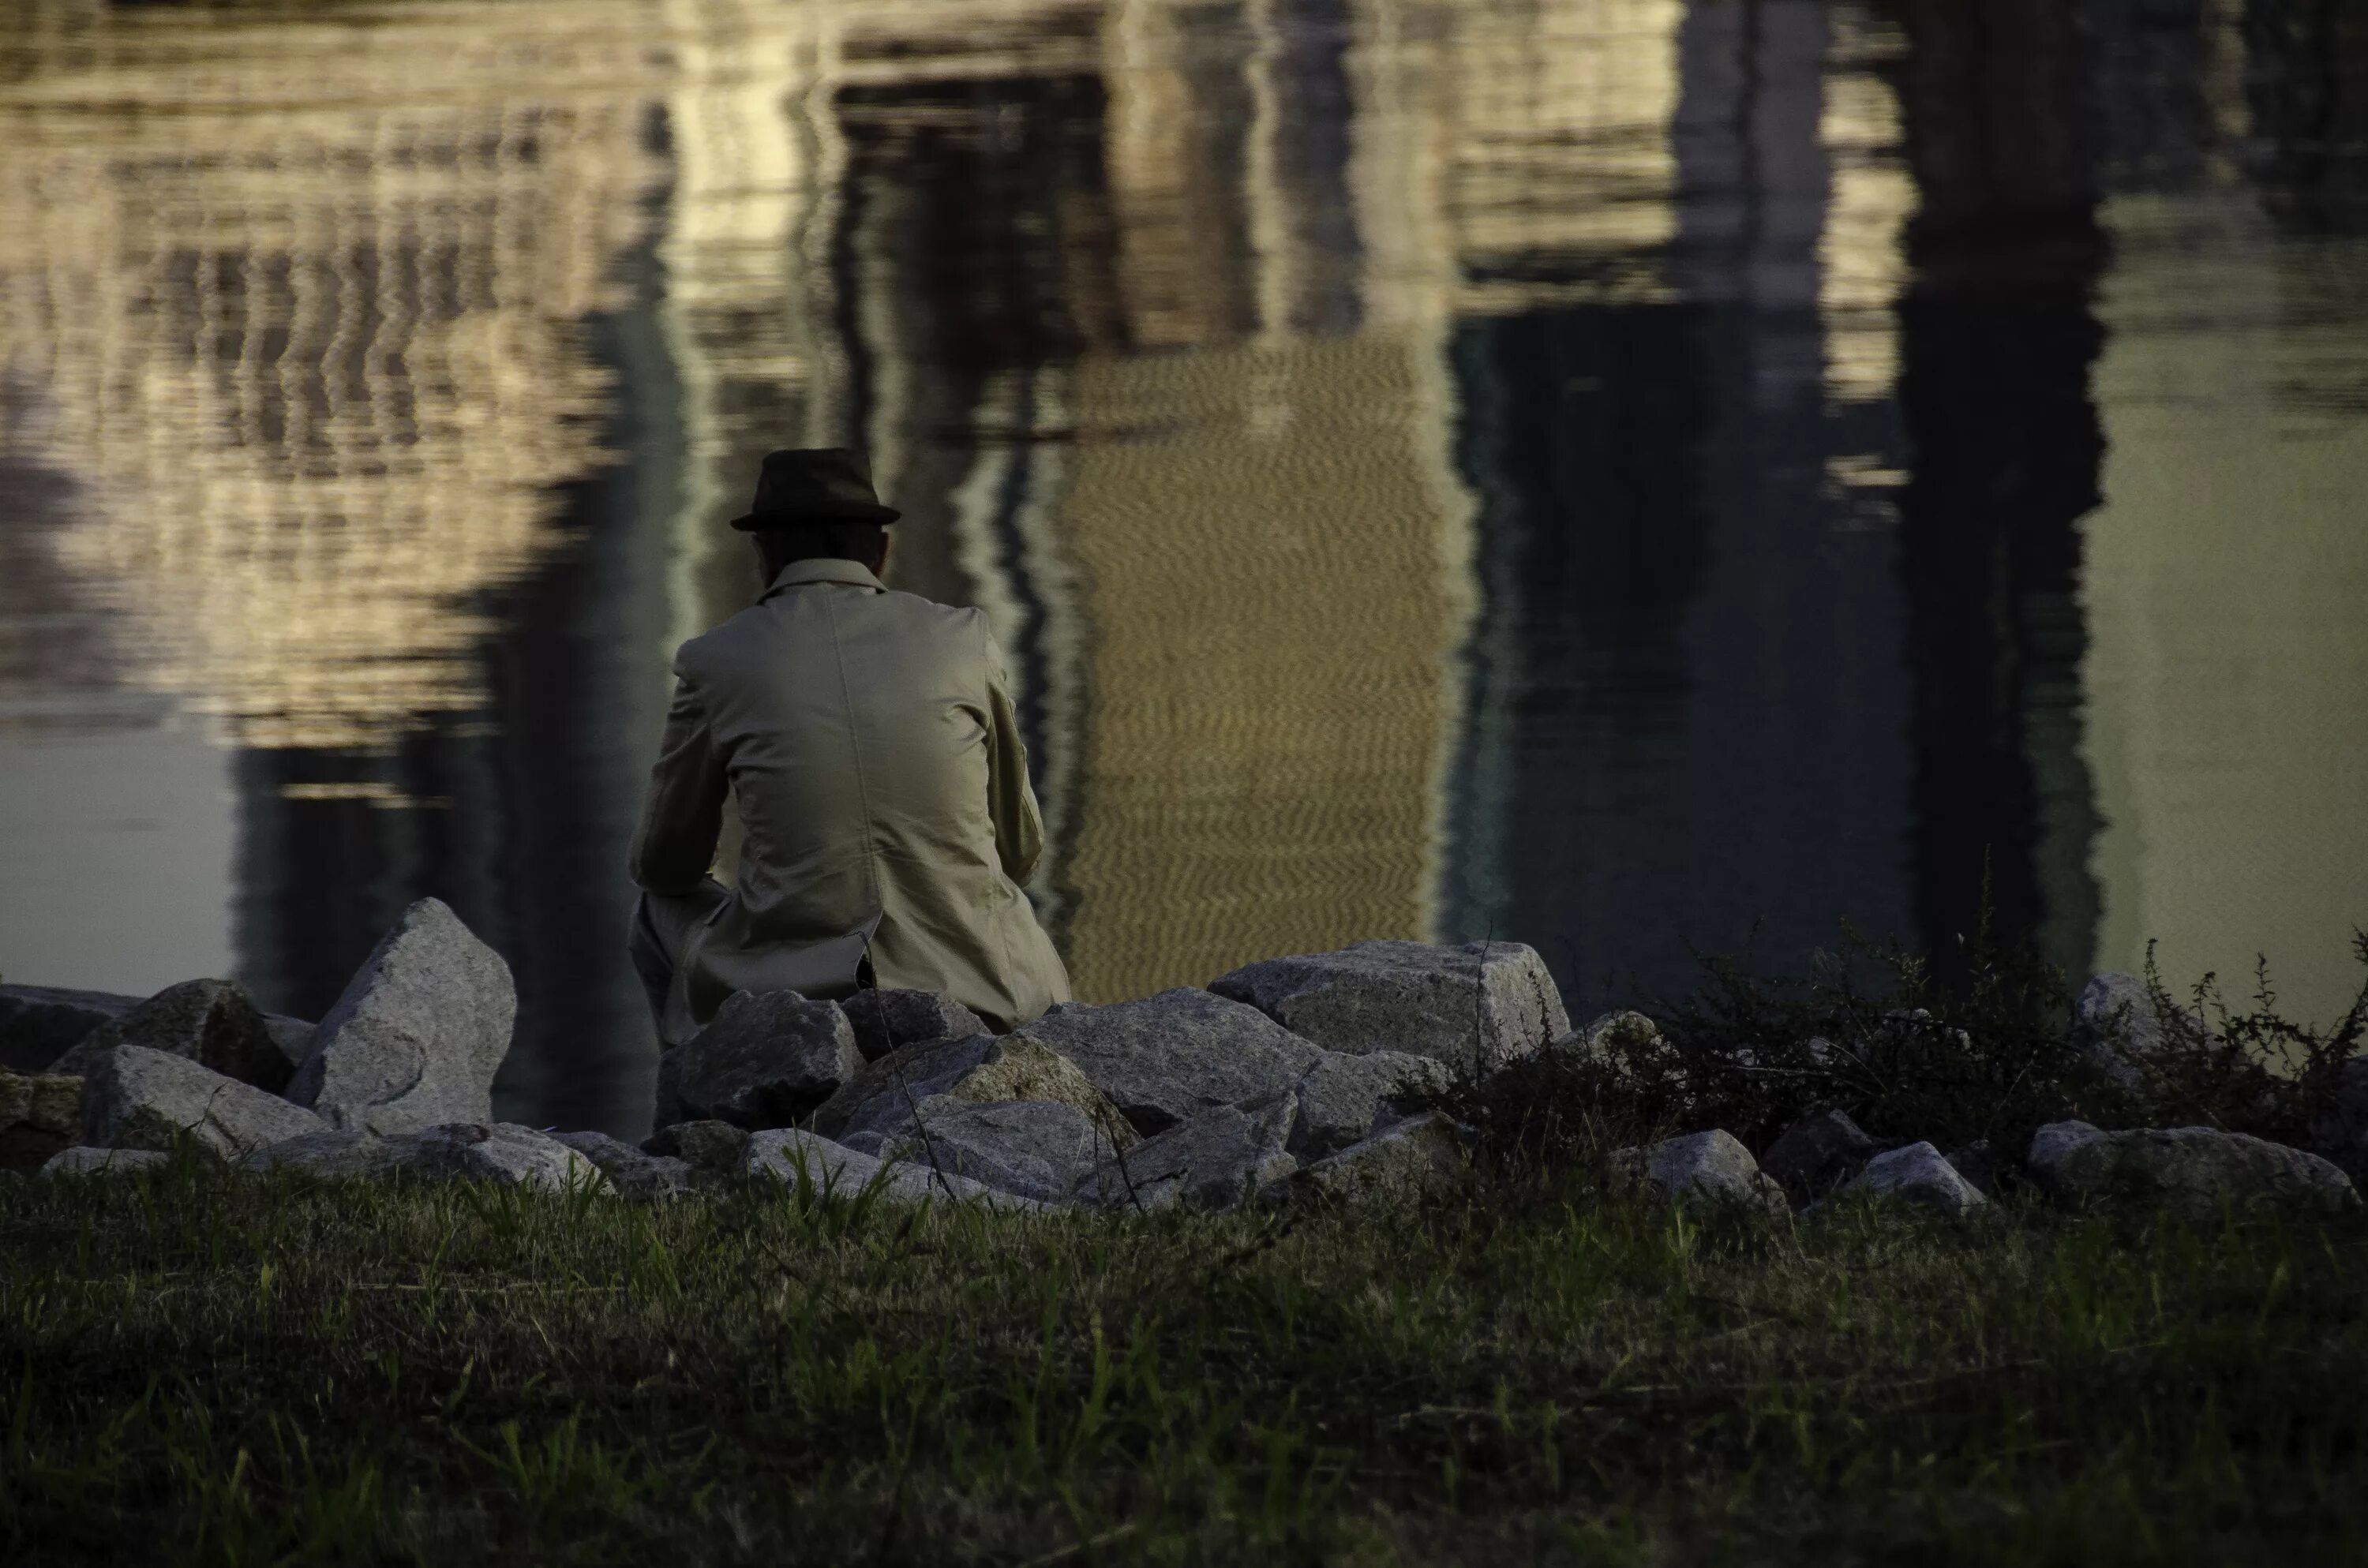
<point>869,740</point>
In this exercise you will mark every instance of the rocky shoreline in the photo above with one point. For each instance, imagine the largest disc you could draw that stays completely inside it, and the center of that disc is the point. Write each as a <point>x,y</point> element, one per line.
<point>1312,1077</point>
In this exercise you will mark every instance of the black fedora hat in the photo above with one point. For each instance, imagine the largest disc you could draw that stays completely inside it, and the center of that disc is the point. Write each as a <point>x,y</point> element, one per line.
<point>814,485</point>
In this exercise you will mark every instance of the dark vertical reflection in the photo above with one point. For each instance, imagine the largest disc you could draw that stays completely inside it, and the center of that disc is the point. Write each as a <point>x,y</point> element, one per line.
<point>1997,343</point>
<point>2308,94</point>
<point>515,815</point>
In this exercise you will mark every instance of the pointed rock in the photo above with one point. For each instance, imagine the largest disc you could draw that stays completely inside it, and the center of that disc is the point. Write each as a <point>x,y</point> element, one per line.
<point>417,1037</point>
<point>1474,1008</point>
<point>1030,1147</point>
<point>1704,1167</point>
<point>1916,1174</point>
<point>765,1061</point>
<point>1219,1159</point>
<point>1421,1157</point>
<point>1167,1057</point>
<point>1343,1099</point>
<point>889,1020</point>
<point>886,1095</point>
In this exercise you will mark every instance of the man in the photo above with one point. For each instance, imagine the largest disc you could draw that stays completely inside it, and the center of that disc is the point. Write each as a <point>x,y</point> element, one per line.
<point>869,741</point>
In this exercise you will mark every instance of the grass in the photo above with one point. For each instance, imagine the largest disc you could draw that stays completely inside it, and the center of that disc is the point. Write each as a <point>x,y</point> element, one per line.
<point>205,1369</point>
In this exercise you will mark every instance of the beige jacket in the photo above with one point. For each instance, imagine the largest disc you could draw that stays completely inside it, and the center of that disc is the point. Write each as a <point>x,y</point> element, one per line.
<point>869,741</point>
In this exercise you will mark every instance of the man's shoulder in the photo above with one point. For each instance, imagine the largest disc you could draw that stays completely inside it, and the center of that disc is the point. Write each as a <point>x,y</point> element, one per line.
<point>753,627</point>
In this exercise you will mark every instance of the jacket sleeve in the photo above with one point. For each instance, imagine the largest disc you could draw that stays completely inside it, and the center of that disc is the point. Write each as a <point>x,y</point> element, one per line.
<point>1019,827</point>
<point>683,813</point>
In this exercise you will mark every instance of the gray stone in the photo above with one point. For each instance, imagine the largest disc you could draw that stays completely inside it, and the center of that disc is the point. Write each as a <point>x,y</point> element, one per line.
<point>1819,1153</point>
<point>1916,1174</point>
<point>1712,1167</point>
<point>1170,1057</point>
<point>503,1153</point>
<point>765,1061</point>
<point>2190,1171</point>
<point>634,1175</point>
<point>292,1036</point>
<point>889,1020</point>
<point>213,1023</point>
<point>2051,1142</point>
<point>1422,1157</point>
<point>416,1039</point>
<point>41,1023</point>
<point>41,1117</point>
<point>712,1148</point>
<point>1343,1099</point>
<point>1219,1159</point>
<point>82,1160</point>
<point>1474,1008</point>
<point>886,1095</point>
<point>834,1170</point>
<point>1613,1033</point>
<point>1030,1148</point>
<point>133,1097</point>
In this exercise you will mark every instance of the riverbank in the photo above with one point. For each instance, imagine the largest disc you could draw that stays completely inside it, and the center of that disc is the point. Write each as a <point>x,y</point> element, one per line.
<point>208,1367</point>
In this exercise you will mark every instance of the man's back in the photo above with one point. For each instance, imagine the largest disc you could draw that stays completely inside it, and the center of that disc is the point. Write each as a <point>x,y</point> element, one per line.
<point>869,739</point>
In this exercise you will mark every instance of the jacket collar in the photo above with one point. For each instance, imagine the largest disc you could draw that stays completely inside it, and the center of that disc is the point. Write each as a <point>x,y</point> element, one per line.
<point>823,569</point>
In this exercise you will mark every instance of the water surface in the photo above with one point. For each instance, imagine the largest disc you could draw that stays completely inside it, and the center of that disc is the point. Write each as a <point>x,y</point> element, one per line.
<point>1606,473</point>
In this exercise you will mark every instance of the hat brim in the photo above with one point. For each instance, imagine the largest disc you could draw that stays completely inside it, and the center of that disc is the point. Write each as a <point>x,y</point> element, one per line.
<point>836,512</point>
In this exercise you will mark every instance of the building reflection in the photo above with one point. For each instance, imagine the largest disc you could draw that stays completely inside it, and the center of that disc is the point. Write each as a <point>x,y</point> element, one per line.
<point>1597,473</point>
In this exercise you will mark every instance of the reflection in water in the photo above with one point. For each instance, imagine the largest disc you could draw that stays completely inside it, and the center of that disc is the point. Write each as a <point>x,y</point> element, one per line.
<point>1599,473</point>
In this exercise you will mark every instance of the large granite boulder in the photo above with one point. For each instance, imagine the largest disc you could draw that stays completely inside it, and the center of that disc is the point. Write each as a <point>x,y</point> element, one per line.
<point>788,1155</point>
<point>1219,1159</point>
<point>1168,1058</point>
<point>133,1097</point>
<point>416,1039</point>
<point>1704,1168</point>
<point>213,1023</point>
<point>765,1061</point>
<point>1030,1147</point>
<point>1918,1174</point>
<point>502,1153</point>
<point>1422,1157</point>
<point>888,1020</point>
<point>1819,1153</point>
<point>2191,1171</point>
<point>85,1161</point>
<point>640,1177</point>
<point>884,1096</point>
<point>1474,1008</point>
<point>1343,1099</point>
<point>41,1117</point>
<point>41,1023</point>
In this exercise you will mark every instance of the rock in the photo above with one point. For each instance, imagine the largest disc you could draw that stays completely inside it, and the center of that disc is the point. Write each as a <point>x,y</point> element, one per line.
<point>2190,1171</point>
<point>41,1023</point>
<point>783,1152</point>
<point>414,1040</point>
<point>1217,1160</point>
<point>1421,1157</point>
<point>1030,1147</point>
<point>889,1021</point>
<point>765,1061</point>
<point>1474,1008</point>
<point>41,1117</point>
<point>293,1037</point>
<point>1916,1174</point>
<point>1170,1057</point>
<point>886,1095</point>
<point>213,1023</point>
<point>1819,1153</point>
<point>1343,1099</point>
<point>712,1148</point>
<point>2120,1028</point>
<point>1612,1033</point>
<point>2051,1142</point>
<point>1704,1167</point>
<point>82,1160</point>
<point>643,1177</point>
<point>133,1097</point>
<point>1978,1165</point>
<point>503,1153</point>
